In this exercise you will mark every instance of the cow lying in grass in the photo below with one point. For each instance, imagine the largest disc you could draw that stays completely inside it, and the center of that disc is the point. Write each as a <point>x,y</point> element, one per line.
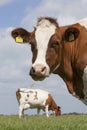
<point>36,98</point>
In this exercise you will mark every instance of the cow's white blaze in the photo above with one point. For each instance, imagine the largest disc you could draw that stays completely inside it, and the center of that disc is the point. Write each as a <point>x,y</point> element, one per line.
<point>44,30</point>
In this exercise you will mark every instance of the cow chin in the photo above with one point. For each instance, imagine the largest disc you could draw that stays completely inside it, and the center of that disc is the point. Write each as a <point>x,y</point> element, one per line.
<point>38,78</point>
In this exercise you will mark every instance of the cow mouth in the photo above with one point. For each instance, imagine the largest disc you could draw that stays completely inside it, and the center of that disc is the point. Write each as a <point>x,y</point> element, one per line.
<point>38,78</point>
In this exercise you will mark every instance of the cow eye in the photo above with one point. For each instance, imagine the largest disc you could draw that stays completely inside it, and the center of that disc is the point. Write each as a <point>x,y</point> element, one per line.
<point>55,44</point>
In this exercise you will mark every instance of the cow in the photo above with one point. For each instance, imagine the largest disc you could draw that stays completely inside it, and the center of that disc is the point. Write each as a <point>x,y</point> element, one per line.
<point>58,50</point>
<point>36,98</point>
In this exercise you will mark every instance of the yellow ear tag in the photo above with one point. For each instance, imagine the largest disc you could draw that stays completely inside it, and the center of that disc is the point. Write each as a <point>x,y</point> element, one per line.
<point>19,39</point>
<point>71,37</point>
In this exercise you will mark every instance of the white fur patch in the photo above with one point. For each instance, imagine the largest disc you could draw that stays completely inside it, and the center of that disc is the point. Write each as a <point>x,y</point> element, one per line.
<point>83,22</point>
<point>43,33</point>
<point>85,74</point>
<point>42,95</point>
<point>85,85</point>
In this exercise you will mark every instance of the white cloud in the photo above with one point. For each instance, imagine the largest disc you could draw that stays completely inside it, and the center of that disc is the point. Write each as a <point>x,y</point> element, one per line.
<point>4,2</point>
<point>14,58</point>
<point>66,12</point>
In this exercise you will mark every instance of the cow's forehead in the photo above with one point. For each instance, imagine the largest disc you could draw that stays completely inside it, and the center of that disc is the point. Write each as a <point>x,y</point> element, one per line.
<point>44,30</point>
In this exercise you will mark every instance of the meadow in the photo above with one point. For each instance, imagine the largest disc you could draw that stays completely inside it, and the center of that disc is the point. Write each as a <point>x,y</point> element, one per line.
<point>63,122</point>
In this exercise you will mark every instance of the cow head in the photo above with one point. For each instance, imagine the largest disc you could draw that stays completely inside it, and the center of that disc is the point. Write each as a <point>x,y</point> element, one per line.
<point>58,111</point>
<point>46,45</point>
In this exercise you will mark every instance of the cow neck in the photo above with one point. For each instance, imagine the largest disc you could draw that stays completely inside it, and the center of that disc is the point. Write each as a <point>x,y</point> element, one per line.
<point>55,68</point>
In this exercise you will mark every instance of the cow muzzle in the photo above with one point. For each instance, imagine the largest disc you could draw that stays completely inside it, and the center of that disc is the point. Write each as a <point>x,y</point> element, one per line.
<point>38,72</point>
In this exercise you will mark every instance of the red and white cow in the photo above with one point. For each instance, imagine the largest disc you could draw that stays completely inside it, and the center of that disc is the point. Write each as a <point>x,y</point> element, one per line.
<point>58,50</point>
<point>36,98</point>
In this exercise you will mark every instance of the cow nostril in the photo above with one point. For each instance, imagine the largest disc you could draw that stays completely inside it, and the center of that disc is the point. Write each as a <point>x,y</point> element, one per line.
<point>38,71</point>
<point>43,69</point>
<point>32,70</point>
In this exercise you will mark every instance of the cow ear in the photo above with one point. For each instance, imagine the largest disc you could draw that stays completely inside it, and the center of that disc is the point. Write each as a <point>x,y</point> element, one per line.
<point>71,34</point>
<point>20,35</point>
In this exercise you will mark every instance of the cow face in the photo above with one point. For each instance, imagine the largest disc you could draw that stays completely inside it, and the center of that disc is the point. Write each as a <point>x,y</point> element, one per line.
<point>58,111</point>
<point>46,46</point>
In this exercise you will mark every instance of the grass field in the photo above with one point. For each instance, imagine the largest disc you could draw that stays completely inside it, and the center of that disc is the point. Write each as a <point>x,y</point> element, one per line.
<point>64,122</point>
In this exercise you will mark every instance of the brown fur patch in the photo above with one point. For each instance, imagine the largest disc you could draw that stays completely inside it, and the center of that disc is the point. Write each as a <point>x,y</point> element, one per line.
<point>26,99</point>
<point>52,20</point>
<point>27,95</point>
<point>18,95</point>
<point>52,105</point>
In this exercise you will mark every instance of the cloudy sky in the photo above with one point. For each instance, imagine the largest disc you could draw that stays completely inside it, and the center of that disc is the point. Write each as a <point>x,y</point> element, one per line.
<point>15,60</point>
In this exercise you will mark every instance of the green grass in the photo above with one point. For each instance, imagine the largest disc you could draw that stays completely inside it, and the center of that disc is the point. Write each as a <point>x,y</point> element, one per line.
<point>64,122</point>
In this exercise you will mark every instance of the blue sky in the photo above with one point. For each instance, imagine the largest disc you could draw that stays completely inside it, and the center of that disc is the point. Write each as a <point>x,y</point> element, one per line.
<point>15,60</point>
<point>13,11</point>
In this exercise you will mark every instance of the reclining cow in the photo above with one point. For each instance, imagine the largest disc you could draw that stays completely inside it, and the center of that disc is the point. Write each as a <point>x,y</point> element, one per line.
<point>58,50</point>
<point>36,98</point>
